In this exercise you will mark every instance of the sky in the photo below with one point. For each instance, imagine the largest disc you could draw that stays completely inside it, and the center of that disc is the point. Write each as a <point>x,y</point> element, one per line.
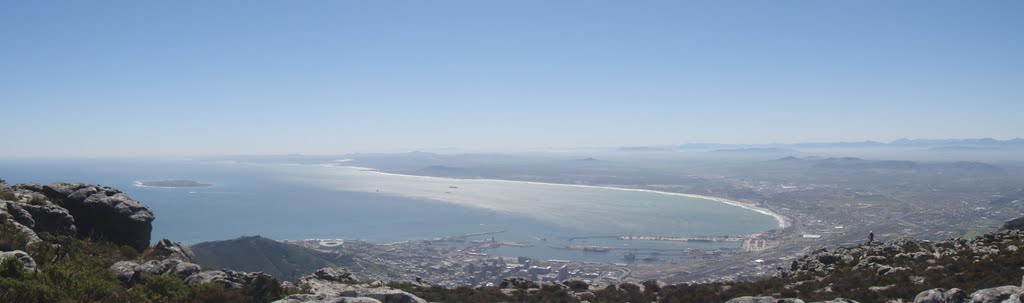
<point>178,78</point>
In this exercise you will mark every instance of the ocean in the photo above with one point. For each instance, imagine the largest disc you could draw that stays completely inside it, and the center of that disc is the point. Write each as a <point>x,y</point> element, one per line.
<point>293,201</point>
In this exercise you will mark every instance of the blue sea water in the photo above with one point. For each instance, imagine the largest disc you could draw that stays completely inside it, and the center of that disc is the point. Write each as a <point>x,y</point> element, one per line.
<point>309,201</point>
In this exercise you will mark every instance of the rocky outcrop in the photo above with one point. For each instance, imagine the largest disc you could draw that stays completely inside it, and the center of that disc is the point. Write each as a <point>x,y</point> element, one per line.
<point>228,278</point>
<point>48,217</point>
<point>185,269</point>
<point>335,274</point>
<point>939,295</point>
<point>1001,294</point>
<point>106,214</point>
<point>128,272</point>
<point>174,250</point>
<point>27,263</point>
<point>994,295</point>
<point>337,285</point>
<point>16,236</point>
<point>919,257</point>
<point>18,214</point>
<point>890,258</point>
<point>99,212</point>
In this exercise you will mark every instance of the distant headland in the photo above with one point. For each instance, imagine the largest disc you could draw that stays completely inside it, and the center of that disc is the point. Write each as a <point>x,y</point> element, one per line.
<point>172,183</point>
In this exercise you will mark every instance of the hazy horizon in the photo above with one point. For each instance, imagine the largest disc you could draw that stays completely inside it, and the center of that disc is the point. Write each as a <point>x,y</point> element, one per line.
<point>121,78</point>
<point>1003,144</point>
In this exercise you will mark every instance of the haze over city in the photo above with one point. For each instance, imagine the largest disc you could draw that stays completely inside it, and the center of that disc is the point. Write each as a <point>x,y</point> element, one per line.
<point>332,77</point>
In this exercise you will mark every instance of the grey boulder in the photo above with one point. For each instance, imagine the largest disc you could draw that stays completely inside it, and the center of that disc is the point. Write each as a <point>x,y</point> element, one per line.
<point>51,218</point>
<point>126,272</point>
<point>228,278</point>
<point>174,250</point>
<point>335,274</point>
<point>129,272</point>
<point>27,262</point>
<point>939,295</point>
<point>993,295</point>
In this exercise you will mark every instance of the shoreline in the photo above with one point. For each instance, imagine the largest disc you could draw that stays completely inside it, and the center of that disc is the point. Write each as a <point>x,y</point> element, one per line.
<point>137,183</point>
<point>782,221</point>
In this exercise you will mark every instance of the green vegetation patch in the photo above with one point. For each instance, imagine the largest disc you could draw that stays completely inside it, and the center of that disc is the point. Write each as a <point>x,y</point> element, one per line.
<point>73,270</point>
<point>285,261</point>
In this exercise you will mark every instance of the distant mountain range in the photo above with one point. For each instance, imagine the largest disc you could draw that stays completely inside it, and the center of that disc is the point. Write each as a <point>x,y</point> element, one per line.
<point>933,144</point>
<point>852,164</point>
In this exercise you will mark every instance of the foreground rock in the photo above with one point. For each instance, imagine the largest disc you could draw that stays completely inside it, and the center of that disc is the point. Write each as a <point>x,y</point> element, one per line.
<point>27,263</point>
<point>337,285</point>
<point>17,235</point>
<point>939,295</point>
<point>994,295</point>
<point>174,250</point>
<point>228,278</point>
<point>99,212</point>
<point>41,215</point>
<point>335,274</point>
<point>129,272</point>
<point>1000,294</point>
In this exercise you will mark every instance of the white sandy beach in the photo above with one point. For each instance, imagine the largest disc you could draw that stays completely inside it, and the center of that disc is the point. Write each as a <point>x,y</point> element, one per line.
<point>461,191</point>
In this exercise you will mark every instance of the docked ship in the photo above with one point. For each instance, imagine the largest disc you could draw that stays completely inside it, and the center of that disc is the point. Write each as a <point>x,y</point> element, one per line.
<point>589,248</point>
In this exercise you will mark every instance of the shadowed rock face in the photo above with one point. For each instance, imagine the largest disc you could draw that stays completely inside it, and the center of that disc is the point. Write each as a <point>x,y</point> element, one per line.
<point>101,213</point>
<point>16,223</point>
<point>48,218</point>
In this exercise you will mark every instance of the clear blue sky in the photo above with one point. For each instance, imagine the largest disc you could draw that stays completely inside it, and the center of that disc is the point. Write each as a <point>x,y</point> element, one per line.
<point>100,78</point>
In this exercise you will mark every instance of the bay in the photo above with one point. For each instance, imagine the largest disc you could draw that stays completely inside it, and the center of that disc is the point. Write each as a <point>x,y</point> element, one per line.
<point>289,201</point>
